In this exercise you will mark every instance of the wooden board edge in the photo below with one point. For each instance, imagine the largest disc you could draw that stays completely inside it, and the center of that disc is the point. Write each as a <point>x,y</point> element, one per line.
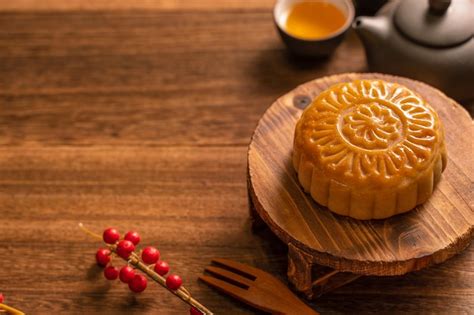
<point>368,268</point>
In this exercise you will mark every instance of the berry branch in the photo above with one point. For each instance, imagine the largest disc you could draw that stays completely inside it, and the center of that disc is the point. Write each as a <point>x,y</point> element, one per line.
<point>5,309</point>
<point>149,257</point>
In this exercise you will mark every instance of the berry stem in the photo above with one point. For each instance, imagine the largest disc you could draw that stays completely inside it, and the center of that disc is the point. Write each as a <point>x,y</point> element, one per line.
<point>134,260</point>
<point>87,231</point>
<point>9,310</point>
<point>182,293</point>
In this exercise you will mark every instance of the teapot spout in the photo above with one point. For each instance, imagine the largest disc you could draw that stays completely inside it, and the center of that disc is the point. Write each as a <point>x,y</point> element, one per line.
<point>373,31</point>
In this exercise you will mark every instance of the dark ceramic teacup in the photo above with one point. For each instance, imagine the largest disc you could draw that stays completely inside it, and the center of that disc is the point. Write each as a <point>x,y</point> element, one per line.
<point>319,47</point>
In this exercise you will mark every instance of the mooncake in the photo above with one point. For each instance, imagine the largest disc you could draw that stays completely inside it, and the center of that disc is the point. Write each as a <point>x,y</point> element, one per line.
<point>369,149</point>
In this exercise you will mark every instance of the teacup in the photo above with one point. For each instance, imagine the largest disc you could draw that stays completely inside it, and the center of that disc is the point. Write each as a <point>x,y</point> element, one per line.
<point>309,47</point>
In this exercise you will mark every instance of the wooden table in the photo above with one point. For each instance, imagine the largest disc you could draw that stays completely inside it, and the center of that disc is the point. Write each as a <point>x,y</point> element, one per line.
<point>138,115</point>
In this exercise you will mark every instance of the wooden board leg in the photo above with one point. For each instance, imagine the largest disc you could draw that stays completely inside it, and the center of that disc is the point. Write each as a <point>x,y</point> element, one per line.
<point>300,266</point>
<point>311,279</point>
<point>331,281</point>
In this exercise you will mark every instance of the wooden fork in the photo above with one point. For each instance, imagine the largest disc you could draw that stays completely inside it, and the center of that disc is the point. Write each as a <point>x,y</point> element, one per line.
<point>254,287</point>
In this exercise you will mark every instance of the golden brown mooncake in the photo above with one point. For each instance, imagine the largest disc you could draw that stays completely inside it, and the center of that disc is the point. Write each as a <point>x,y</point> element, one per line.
<point>369,149</point>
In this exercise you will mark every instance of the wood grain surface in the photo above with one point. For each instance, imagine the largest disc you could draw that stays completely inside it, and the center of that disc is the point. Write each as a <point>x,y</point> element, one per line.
<point>60,5</point>
<point>141,119</point>
<point>432,233</point>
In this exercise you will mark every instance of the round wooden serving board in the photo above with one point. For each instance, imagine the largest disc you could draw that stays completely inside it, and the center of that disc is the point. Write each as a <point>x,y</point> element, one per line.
<point>430,234</point>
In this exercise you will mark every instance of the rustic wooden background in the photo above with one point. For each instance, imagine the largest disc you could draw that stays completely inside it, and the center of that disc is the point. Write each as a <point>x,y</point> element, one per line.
<point>138,115</point>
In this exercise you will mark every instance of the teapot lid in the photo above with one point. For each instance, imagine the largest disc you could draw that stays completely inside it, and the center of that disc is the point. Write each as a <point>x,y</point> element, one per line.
<point>438,23</point>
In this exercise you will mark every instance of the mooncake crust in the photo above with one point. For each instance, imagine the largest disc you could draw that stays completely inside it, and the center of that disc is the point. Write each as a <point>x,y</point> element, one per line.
<point>369,149</point>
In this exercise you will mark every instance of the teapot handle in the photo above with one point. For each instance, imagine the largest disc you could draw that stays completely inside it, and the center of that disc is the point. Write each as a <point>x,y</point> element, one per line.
<point>439,6</point>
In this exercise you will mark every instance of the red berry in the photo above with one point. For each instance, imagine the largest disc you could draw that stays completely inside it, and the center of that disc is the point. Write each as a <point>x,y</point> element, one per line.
<point>127,273</point>
<point>194,311</point>
<point>138,284</point>
<point>162,267</point>
<point>111,273</point>
<point>174,282</point>
<point>125,248</point>
<point>150,255</point>
<point>2,298</point>
<point>102,257</point>
<point>133,237</point>
<point>111,236</point>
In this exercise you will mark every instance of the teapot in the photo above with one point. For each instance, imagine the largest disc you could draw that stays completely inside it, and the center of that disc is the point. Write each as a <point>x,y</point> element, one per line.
<point>430,41</point>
